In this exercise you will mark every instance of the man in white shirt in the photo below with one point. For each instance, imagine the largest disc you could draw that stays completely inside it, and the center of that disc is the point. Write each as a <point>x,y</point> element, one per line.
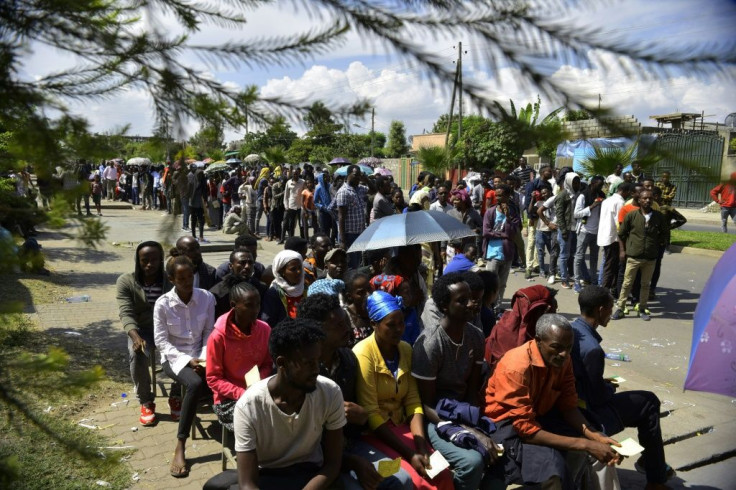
<point>615,178</point>
<point>442,204</point>
<point>546,234</point>
<point>587,212</point>
<point>608,235</point>
<point>288,427</point>
<point>292,203</point>
<point>110,175</point>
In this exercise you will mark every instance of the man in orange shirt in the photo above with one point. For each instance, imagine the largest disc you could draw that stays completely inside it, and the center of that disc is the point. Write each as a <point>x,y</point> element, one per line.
<point>309,213</point>
<point>532,399</point>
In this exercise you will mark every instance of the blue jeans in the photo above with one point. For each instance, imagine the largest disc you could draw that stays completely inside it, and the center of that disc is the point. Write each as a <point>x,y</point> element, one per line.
<point>139,367</point>
<point>467,465</point>
<point>582,273</point>
<point>725,214</point>
<point>354,257</point>
<point>565,247</point>
<point>548,240</point>
<point>185,212</point>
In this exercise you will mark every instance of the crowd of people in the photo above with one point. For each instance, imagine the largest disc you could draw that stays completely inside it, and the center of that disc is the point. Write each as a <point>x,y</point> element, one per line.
<point>327,365</point>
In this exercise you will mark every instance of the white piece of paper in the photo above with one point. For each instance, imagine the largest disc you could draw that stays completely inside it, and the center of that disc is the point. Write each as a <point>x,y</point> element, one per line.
<point>629,447</point>
<point>438,463</point>
<point>252,377</point>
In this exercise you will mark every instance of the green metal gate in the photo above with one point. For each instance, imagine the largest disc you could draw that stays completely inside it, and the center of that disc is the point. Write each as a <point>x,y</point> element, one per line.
<point>694,161</point>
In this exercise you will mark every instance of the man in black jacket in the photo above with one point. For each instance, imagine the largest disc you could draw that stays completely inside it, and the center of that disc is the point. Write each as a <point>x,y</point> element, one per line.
<point>205,276</point>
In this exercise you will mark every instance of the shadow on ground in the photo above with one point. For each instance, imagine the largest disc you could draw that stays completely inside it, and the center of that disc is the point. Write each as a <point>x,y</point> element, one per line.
<point>79,254</point>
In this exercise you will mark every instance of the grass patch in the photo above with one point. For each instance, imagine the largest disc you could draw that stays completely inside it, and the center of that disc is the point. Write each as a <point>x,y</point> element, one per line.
<point>708,240</point>
<point>70,459</point>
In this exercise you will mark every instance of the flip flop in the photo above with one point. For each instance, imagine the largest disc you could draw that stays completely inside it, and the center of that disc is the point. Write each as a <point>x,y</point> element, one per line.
<point>178,471</point>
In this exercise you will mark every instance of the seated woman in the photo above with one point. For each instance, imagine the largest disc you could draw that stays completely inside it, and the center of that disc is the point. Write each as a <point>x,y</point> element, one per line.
<point>357,289</point>
<point>287,288</point>
<point>388,392</point>
<point>182,322</point>
<point>398,286</point>
<point>238,343</point>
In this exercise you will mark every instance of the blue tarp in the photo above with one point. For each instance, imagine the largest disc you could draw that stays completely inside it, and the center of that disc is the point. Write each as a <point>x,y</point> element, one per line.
<point>579,150</point>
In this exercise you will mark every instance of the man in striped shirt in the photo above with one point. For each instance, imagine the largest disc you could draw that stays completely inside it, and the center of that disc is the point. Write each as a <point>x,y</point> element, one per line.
<point>523,172</point>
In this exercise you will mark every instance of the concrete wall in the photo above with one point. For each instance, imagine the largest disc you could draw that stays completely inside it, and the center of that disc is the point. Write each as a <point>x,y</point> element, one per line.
<point>610,127</point>
<point>426,140</point>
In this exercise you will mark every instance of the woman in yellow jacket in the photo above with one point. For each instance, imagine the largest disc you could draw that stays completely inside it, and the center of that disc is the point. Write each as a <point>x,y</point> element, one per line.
<point>388,392</point>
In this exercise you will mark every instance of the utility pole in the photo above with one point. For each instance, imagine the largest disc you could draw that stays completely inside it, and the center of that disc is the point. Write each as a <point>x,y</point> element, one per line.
<point>373,129</point>
<point>460,90</point>
<point>452,105</point>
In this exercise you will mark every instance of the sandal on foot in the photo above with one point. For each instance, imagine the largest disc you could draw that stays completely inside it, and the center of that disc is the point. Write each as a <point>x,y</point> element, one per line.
<point>178,471</point>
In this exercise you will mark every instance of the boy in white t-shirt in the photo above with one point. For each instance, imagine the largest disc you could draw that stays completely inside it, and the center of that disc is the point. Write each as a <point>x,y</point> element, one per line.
<point>288,428</point>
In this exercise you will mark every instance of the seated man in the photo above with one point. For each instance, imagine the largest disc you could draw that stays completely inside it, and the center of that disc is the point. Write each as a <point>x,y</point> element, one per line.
<point>531,397</point>
<point>204,274</point>
<point>464,261</point>
<point>338,363</point>
<point>249,243</point>
<point>137,292</point>
<point>241,270</point>
<point>234,224</point>
<point>305,409</point>
<point>612,410</point>
<point>446,362</point>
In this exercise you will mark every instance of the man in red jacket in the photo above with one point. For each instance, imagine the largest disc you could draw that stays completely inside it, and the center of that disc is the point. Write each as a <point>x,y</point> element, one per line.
<point>725,196</point>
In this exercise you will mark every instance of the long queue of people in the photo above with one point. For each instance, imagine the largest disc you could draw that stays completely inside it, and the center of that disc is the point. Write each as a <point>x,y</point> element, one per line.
<point>329,367</point>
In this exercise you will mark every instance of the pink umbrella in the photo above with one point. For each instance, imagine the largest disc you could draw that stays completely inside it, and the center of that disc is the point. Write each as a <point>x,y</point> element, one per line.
<point>382,171</point>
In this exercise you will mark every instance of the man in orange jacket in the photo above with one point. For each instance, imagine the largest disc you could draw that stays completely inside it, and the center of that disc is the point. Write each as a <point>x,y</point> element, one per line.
<point>725,196</point>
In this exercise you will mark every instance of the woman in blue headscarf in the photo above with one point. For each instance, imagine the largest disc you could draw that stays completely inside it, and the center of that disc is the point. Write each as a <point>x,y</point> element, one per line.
<point>388,392</point>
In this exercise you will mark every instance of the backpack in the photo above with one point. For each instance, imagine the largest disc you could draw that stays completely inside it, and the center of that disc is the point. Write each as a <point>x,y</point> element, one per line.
<point>519,324</point>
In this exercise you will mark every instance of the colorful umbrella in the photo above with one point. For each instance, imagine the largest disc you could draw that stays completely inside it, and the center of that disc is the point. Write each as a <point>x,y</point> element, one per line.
<point>252,158</point>
<point>217,167</point>
<point>712,365</point>
<point>382,171</point>
<point>363,168</point>
<point>138,161</point>
<point>339,161</point>
<point>233,160</point>
<point>410,229</point>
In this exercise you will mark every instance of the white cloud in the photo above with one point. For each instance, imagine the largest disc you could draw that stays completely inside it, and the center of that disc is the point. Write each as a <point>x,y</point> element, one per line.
<point>400,93</point>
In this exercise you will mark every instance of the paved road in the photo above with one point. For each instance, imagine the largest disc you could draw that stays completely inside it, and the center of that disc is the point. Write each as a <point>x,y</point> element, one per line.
<point>659,350</point>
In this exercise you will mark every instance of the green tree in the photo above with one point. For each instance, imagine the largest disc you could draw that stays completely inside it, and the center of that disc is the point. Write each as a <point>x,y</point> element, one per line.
<point>397,145</point>
<point>322,127</point>
<point>528,130</point>
<point>576,115</point>
<point>604,160</point>
<point>437,159</point>
<point>300,150</point>
<point>490,144</point>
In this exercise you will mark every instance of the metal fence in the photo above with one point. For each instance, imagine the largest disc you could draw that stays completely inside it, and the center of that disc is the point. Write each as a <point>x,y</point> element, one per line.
<point>694,161</point>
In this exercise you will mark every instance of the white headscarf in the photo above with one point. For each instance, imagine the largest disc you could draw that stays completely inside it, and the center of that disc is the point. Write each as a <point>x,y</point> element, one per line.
<point>569,177</point>
<point>282,258</point>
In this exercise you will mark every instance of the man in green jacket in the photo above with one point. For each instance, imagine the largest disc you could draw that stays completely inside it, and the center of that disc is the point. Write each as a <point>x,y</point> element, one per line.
<point>641,234</point>
<point>137,292</point>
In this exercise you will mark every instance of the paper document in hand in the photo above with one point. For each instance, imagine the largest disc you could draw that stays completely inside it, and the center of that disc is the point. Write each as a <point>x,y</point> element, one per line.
<point>252,377</point>
<point>437,463</point>
<point>389,467</point>
<point>629,447</point>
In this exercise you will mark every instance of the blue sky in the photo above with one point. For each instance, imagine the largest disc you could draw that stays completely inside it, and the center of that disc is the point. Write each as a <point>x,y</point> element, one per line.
<point>363,69</point>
